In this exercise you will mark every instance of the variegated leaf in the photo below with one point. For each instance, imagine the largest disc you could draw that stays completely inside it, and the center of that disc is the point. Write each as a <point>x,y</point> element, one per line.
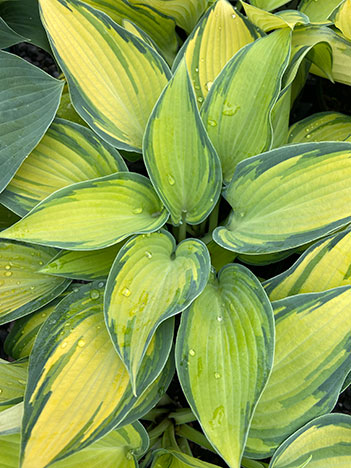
<point>325,441</point>
<point>311,361</point>
<point>269,4</point>
<point>87,266</point>
<point>11,419</point>
<point>221,32</point>
<point>318,11</point>
<point>174,459</point>
<point>22,288</point>
<point>325,265</point>
<point>67,154</point>
<point>150,281</point>
<point>224,355</point>
<point>237,109</point>
<point>13,378</point>
<point>74,342</point>
<point>188,186</point>
<point>271,189</point>
<point>324,126</point>
<point>28,101</point>
<point>269,21</point>
<point>8,37</point>
<point>95,53</point>
<point>342,18</point>
<point>93,214</point>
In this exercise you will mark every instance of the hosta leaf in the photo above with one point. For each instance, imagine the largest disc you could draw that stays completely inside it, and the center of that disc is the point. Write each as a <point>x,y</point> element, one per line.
<point>280,119</point>
<point>23,17</point>
<point>342,18</point>
<point>237,109</point>
<point>29,101</point>
<point>185,12</point>
<point>219,256</point>
<point>318,11</point>
<point>324,126</point>
<point>10,419</point>
<point>150,281</point>
<point>347,382</point>
<point>118,449</point>
<point>87,266</point>
<point>133,28</point>
<point>7,217</point>
<point>19,342</point>
<point>325,265</point>
<point>219,35</point>
<point>224,355</point>
<point>66,110</point>
<point>341,49</point>
<point>74,342</point>
<point>68,153</point>
<point>174,459</point>
<point>267,21</point>
<point>311,361</point>
<point>95,53</point>
<point>157,25</point>
<point>188,186</point>
<point>269,4</point>
<point>8,36</point>
<point>93,214</point>
<point>13,377</point>
<point>22,288</point>
<point>271,189</point>
<point>322,442</point>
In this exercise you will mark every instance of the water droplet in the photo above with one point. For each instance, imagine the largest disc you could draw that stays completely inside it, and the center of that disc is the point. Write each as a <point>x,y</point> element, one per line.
<point>18,282</point>
<point>192,352</point>
<point>101,284</point>
<point>126,292</point>
<point>219,318</point>
<point>129,455</point>
<point>137,210</point>
<point>217,375</point>
<point>202,59</point>
<point>81,343</point>
<point>148,254</point>
<point>308,136</point>
<point>220,27</point>
<point>208,85</point>
<point>94,294</point>
<point>41,263</point>
<point>242,214</point>
<point>75,289</point>
<point>64,345</point>
<point>217,417</point>
<point>307,130</point>
<point>212,123</point>
<point>8,273</point>
<point>0,391</point>
<point>211,200</point>
<point>8,267</point>
<point>32,288</point>
<point>197,87</point>
<point>22,382</point>
<point>230,110</point>
<point>200,99</point>
<point>233,16</point>
<point>171,180</point>
<point>43,314</point>
<point>196,70</point>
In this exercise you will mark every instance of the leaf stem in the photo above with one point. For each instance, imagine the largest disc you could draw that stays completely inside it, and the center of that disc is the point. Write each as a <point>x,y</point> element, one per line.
<point>182,416</point>
<point>194,436</point>
<point>213,221</point>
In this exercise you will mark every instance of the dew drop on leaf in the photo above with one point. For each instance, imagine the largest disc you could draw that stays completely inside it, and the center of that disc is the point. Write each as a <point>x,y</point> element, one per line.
<point>64,345</point>
<point>137,210</point>
<point>208,85</point>
<point>171,180</point>
<point>217,375</point>
<point>8,273</point>
<point>219,318</point>
<point>217,417</point>
<point>200,99</point>
<point>192,352</point>
<point>94,294</point>
<point>81,343</point>
<point>148,254</point>
<point>8,267</point>
<point>101,284</point>
<point>126,292</point>
<point>212,123</point>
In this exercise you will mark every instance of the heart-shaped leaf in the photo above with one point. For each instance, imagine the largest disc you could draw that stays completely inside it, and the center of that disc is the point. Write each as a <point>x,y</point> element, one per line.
<point>28,102</point>
<point>224,355</point>
<point>220,33</point>
<point>271,189</point>
<point>181,161</point>
<point>95,53</point>
<point>74,342</point>
<point>311,361</point>
<point>322,442</point>
<point>68,153</point>
<point>93,214</point>
<point>237,109</point>
<point>22,288</point>
<point>150,281</point>
<point>325,265</point>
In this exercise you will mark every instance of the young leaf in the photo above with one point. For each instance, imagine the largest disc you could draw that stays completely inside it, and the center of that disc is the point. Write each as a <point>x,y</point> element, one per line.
<point>237,109</point>
<point>68,153</point>
<point>174,459</point>
<point>87,266</point>
<point>29,100</point>
<point>221,32</point>
<point>22,288</point>
<point>93,214</point>
<point>270,190</point>
<point>322,442</point>
<point>150,281</point>
<point>180,159</point>
<point>267,21</point>
<point>325,265</point>
<point>114,77</point>
<point>78,388</point>
<point>342,18</point>
<point>324,126</point>
<point>311,361</point>
<point>224,355</point>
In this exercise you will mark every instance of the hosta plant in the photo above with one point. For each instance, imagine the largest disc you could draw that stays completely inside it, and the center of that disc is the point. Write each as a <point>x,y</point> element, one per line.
<point>175,266</point>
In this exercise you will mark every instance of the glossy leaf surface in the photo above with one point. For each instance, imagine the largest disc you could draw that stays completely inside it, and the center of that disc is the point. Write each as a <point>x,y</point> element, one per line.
<point>224,355</point>
<point>324,126</point>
